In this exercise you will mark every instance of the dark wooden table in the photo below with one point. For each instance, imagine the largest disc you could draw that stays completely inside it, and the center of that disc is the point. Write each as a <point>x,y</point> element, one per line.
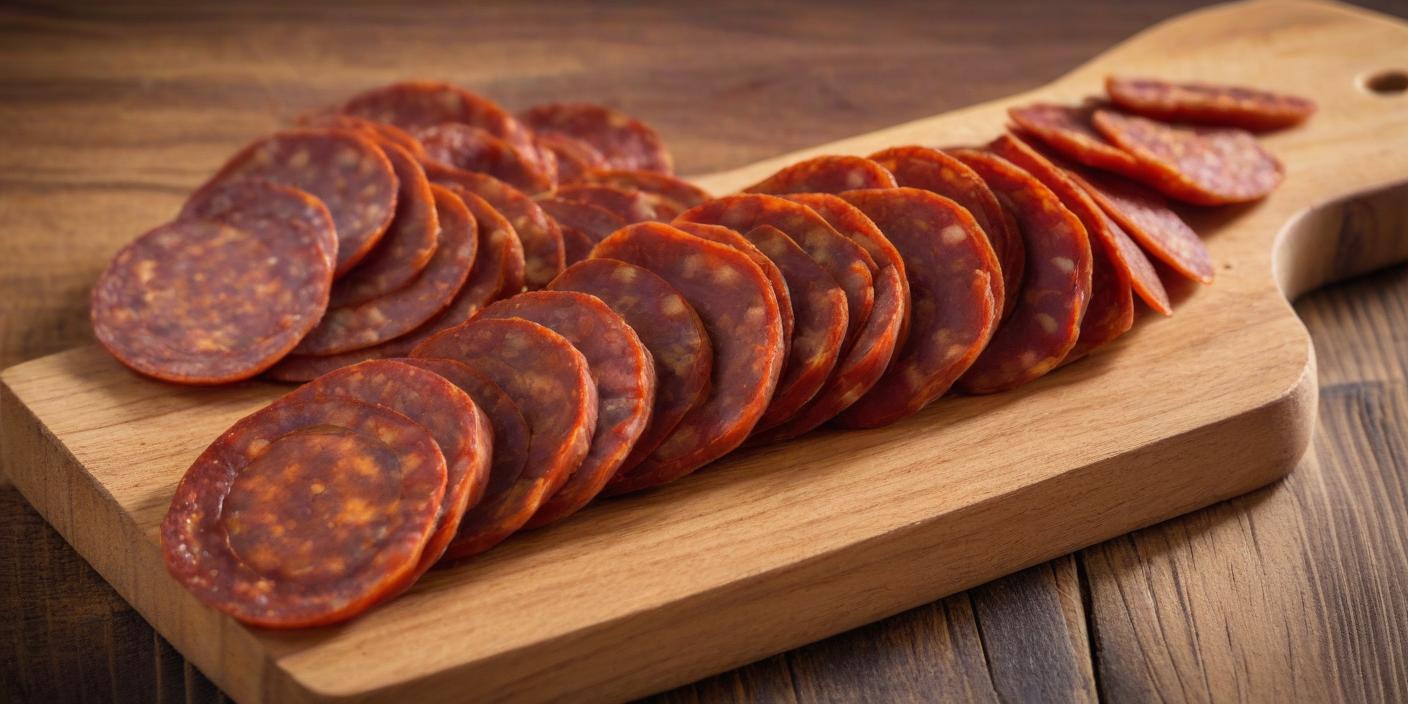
<point>1296,591</point>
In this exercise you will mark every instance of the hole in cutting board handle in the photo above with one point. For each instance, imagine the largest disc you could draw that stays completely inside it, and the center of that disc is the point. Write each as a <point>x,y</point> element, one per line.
<point>1392,81</point>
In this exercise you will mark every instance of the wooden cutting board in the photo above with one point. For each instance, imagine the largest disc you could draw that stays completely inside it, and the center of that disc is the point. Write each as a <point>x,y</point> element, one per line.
<point>779,546</point>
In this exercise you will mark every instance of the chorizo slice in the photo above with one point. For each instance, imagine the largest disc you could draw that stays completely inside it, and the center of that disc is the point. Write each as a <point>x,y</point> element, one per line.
<point>459,428</point>
<point>1207,103</point>
<point>510,432</point>
<point>380,132</point>
<point>409,243</point>
<point>627,143</point>
<point>1201,165</point>
<point>630,205</point>
<point>842,258</point>
<point>625,385</point>
<point>933,170</point>
<point>736,304</point>
<point>1149,220</point>
<point>497,272</point>
<point>1115,245</point>
<point>863,366</point>
<point>669,328</point>
<point>305,513</point>
<point>582,224</point>
<point>574,157</point>
<point>730,238</point>
<point>826,174</point>
<point>673,189</point>
<point>540,237</point>
<point>468,148</point>
<point>417,105</point>
<point>387,317</point>
<point>267,209</point>
<point>952,272</point>
<point>550,382</point>
<point>1069,132</point>
<point>343,169</point>
<point>1044,325</point>
<point>204,302</point>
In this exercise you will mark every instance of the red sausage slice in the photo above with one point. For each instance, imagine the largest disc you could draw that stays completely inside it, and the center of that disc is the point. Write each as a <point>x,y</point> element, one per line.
<point>629,205</point>
<point>668,327</point>
<point>460,430</point>
<point>737,306</point>
<point>470,148</point>
<point>625,385</point>
<point>582,225</point>
<point>343,169</point>
<point>266,209</point>
<point>1202,165</point>
<point>511,438</point>
<point>541,240</point>
<point>826,174</point>
<point>409,243</point>
<point>952,269</point>
<point>305,513</point>
<point>550,382</point>
<point>1046,321</point>
<point>384,318</point>
<point>1068,131</point>
<point>1146,216</point>
<point>1229,106</point>
<point>729,238</point>
<point>933,170</point>
<point>627,143</point>
<point>201,302</point>
<point>380,132</point>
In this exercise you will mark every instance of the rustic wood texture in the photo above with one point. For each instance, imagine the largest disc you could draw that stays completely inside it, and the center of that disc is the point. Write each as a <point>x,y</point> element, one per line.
<point>1013,638</point>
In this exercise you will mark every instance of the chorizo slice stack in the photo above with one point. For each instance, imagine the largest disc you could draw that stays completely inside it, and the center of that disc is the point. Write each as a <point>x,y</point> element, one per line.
<point>450,415</point>
<point>669,328</point>
<point>625,385</point>
<point>551,383</point>
<point>736,304</point>
<point>345,170</point>
<point>306,513</point>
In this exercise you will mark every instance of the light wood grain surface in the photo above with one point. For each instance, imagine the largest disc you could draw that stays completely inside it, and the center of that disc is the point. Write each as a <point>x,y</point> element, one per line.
<point>1030,635</point>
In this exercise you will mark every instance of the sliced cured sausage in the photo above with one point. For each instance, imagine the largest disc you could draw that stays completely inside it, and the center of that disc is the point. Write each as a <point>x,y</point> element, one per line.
<point>202,302</point>
<point>582,225</point>
<point>819,311</point>
<point>1046,322</point>
<point>497,272</point>
<point>862,367</point>
<point>379,132</point>
<point>550,382</point>
<point>266,209</point>
<point>625,142</point>
<point>470,148</point>
<point>730,238</point>
<point>933,170</point>
<point>1115,246</point>
<point>1229,106</point>
<point>574,157</point>
<point>842,258</point>
<point>625,385</point>
<point>668,327</point>
<point>952,269</point>
<point>538,233</point>
<point>511,441</point>
<point>674,189</point>
<point>387,317</point>
<point>406,248</point>
<point>738,309</point>
<point>826,174</point>
<point>416,105</point>
<point>1202,165</point>
<point>629,205</point>
<point>459,428</point>
<point>1068,131</point>
<point>343,169</point>
<point>305,513</point>
<point>1146,216</point>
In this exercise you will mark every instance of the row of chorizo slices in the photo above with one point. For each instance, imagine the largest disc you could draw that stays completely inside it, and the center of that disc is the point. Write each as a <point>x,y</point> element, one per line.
<point>842,289</point>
